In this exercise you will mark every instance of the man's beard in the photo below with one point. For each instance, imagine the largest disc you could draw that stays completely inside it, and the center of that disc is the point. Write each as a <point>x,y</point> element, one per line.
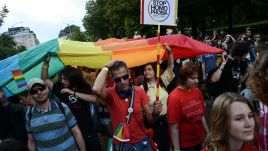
<point>42,102</point>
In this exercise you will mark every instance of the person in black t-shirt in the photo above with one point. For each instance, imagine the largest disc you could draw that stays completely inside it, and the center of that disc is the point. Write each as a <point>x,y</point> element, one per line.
<point>72,89</point>
<point>226,77</point>
<point>13,122</point>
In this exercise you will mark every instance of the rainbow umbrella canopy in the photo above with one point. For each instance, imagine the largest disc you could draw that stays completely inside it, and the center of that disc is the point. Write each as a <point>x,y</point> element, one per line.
<point>92,55</point>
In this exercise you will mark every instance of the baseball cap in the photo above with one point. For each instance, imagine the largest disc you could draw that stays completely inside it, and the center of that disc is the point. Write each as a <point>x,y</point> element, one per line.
<point>34,81</point>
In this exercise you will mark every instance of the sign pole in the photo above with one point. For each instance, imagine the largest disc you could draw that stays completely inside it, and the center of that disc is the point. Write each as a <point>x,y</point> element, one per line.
<point>158,64</point>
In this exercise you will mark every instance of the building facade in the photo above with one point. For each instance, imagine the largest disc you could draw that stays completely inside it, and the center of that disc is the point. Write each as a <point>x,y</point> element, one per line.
<point>23,36</point>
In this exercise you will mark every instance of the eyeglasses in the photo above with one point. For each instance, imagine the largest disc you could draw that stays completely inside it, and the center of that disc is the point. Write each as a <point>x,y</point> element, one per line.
<point>118,79</point>
<point>36,89</point>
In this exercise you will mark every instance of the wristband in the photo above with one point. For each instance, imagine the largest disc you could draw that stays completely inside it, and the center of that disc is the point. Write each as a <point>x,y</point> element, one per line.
<point>222,65</point>
<point>107,66</point>
<point>176,149</point>
<point>105,69</point>
<point>45,66</point>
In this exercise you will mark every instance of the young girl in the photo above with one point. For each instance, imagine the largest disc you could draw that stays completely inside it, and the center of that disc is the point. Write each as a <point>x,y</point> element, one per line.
<point>233,123</point>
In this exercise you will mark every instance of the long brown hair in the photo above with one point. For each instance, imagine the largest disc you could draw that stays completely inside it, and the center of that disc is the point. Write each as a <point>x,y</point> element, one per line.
<point>258,80</point>
<point>220,121</point>
<point>145,83</point>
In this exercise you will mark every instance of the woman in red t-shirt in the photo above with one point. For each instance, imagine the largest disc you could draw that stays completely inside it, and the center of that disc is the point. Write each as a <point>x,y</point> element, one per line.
<point>185,111</point>
<point>233,123</point>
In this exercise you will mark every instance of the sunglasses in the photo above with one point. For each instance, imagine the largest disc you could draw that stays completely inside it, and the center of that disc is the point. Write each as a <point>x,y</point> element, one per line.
<point>118,79</point>
<point>36,89</point>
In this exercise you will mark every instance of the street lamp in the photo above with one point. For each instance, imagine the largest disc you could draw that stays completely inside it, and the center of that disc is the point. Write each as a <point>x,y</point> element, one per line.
<point>13,26</point>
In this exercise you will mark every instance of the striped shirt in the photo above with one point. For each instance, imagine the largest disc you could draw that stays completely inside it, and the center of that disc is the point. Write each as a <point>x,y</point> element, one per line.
<point>51,129</point>
<point>263,132</point>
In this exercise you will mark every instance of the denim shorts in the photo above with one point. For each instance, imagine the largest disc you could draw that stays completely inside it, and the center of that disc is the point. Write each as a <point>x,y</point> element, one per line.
<point>143,145</point>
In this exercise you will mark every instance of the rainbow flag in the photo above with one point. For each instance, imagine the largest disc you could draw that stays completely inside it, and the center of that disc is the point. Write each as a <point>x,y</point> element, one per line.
<point>19,78</point>
<point>122,133</point>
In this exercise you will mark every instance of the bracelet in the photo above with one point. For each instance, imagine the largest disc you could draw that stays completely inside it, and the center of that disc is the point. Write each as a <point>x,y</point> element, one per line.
<point>105,69</point>
<point>222,65</point>
<point>107,66</point>
<point>45,66</point>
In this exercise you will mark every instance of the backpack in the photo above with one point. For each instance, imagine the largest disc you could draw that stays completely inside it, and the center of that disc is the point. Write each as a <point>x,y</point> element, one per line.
<point>63,112</point>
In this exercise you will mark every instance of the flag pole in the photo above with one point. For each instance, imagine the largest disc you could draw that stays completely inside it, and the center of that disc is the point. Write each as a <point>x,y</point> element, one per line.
<point>158,65</point>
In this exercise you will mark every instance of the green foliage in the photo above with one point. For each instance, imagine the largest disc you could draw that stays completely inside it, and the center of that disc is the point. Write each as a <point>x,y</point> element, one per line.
<point>114,18</point>
<point>7,41</point>
<point>7,46</point>
<point>6,52</point>
<point>94,22</point>
<point>21,48</point>
<point>120,18</point>
<point>77,35</point>
<point>3,14</point>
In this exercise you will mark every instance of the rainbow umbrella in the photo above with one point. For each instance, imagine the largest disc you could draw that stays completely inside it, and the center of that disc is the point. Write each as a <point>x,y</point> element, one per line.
<point>93,55</point>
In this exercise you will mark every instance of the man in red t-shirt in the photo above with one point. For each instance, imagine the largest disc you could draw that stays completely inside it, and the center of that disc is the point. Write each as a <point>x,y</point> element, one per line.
<point>118,102</point>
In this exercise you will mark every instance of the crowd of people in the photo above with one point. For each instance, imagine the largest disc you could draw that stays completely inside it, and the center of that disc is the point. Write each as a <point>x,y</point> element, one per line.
<point>66,112</point>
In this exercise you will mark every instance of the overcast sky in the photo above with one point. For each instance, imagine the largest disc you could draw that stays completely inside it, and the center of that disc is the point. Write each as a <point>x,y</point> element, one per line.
<point>44,17</point>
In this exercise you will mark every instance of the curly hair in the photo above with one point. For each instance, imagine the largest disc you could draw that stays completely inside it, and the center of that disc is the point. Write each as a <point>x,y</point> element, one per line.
<point>217,139</point>
<point>75,77</point>
<point>258,78</point>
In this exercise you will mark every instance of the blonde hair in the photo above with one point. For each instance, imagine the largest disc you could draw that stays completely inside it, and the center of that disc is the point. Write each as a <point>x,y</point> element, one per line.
<point>217,139</point>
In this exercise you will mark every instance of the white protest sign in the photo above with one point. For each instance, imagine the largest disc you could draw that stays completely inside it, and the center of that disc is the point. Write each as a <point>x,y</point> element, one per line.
<point>159,12</point>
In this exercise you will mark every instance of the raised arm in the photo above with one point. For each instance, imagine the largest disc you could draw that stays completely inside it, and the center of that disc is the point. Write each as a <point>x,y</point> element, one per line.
<point>170,66</point>
<point>44,74</point>
<point>217,74</point>
<point>99,84</point>
<point>231,38</point>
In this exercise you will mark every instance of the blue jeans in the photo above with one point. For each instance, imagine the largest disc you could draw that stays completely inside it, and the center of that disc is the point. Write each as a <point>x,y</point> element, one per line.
<point>143,145</point>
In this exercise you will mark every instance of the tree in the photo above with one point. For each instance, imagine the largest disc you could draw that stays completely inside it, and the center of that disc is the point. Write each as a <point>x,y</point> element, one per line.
<point>97,27</point>
<point>114,18</point>
<point>3,14</point>
<point>7,46</point>
<point>77,35</point>
<point>120,18</point>
<point>7,43</point>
